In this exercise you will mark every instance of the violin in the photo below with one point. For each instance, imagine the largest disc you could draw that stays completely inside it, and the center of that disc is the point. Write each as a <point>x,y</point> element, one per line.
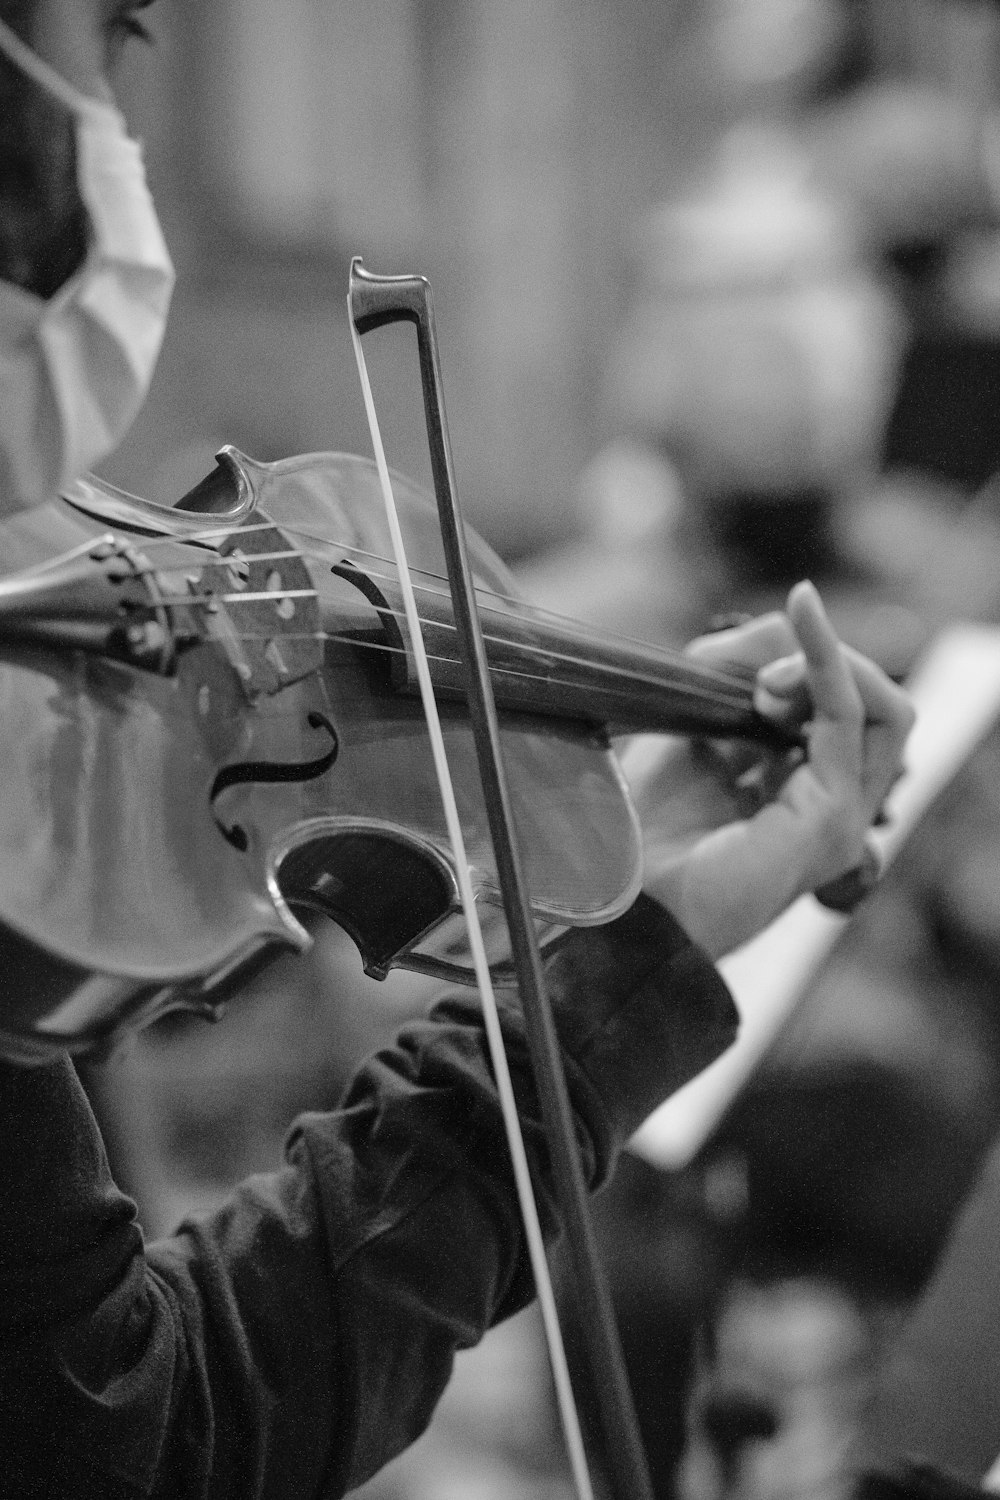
<point>212,726</point>
<point>226,713</point>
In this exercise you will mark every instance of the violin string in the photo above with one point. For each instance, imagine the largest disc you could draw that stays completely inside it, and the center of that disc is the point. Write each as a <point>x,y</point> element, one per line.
<point>203,535</point>
<point>354,551</point>
<point>700,690</point>
<point>608,690</point>
<point>506,604</point>
<point>483,593</point>
<point>258,596</point>
<point>253,557</point>
<point>660,656</point>
<point>666,656</point>
<point>540,615</point>
<point>713,693</point>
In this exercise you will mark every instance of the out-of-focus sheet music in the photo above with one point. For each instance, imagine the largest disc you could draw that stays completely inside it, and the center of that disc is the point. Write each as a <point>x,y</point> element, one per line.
<point>956,690</point>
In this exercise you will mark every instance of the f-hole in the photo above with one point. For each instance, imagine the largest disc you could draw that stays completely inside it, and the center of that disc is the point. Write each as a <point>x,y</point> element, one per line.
<point>269,771</point>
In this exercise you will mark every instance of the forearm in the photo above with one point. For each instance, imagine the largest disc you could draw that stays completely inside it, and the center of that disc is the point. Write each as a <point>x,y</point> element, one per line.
<point>67,1233</point>
<point>638,1013</point>
<point>294,1341</point>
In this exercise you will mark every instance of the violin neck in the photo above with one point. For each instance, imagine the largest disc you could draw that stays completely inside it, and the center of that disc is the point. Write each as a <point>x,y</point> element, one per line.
<point>557,671</point>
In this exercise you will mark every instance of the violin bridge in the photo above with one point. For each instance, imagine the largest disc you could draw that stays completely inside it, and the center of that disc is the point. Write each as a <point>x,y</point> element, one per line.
<point>263,610</point>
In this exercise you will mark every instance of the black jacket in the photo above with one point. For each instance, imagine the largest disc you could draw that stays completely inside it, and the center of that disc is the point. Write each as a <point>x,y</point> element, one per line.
<point>297,1339</point>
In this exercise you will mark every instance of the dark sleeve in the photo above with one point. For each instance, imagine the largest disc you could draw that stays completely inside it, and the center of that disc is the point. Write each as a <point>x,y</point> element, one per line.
<point>296,1340</point>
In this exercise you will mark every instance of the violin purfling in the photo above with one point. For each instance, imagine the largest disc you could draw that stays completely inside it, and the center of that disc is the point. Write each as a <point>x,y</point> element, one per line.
<point>211,728</point>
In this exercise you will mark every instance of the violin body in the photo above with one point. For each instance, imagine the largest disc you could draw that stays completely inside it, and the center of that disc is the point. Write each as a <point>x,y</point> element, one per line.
<point>209,727</point>
<point>162,830</point>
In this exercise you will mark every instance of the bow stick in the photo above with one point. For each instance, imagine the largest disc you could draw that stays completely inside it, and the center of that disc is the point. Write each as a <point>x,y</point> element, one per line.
<point>375,302</point>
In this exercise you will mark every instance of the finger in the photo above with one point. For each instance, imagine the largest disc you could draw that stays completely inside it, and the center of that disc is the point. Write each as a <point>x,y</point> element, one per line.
<point>782,690</point>
<point>889,717</point>
<point>834,690</point>
<point>784,676</point>
<point>784,681</point>
<point>885,702</point>
<point>846,676</point>
<point>751,645</point>
<point>836,726</point>
<point>862,717</point>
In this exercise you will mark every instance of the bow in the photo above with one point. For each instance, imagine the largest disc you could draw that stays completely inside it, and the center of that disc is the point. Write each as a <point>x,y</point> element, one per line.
<point>375,302</point>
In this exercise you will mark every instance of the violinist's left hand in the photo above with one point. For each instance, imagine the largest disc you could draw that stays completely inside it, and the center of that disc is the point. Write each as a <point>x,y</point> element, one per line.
<point>730,844</point>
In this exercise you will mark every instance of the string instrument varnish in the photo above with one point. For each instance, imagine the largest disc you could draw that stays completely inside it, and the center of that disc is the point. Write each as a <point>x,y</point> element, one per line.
<point>211,723</point>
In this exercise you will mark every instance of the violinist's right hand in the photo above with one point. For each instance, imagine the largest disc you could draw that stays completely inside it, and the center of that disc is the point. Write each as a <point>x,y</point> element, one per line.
<point>726,870</point>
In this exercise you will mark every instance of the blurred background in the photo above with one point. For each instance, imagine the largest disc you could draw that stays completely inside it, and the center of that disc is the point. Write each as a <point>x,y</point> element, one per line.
<point>717,286</point>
